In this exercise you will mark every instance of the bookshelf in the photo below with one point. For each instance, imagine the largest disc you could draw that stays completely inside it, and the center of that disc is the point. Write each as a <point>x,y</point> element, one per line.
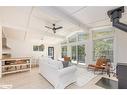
<point>15,65</point>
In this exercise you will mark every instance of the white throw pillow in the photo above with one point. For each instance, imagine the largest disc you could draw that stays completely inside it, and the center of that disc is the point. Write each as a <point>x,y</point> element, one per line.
<point>56,64</point>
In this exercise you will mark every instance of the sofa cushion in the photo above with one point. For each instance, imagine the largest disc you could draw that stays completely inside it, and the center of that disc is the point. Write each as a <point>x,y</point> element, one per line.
<point>49,60</point>
<point>56,64</point>
<point>65,64</point>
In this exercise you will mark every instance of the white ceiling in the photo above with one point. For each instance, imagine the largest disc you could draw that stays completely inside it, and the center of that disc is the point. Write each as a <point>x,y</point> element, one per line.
<point>29,23</point>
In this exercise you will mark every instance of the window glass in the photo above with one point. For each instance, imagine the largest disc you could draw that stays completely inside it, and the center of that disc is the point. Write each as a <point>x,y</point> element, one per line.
<point>83,36</point>
<point>35,48</point>
<point>38,47</point>
<point>64,51</point>
<point>64,42</point>
<point>51,52</point>
<point>103,47</point>
<point>81,53</point>
<point>73,53</point>
<point>97,34</point>
<point>72,39</point>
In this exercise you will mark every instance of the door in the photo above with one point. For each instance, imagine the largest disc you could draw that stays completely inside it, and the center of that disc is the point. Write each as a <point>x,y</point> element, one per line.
<point>51,52</point>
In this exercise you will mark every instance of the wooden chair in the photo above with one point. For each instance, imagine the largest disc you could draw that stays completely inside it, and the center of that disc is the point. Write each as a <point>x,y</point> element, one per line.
<point>67,59</point>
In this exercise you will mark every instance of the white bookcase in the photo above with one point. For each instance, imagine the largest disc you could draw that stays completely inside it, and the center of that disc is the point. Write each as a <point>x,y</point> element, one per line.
<point>14,65</point>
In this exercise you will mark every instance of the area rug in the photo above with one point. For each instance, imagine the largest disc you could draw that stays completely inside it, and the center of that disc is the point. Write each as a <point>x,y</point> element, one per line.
<point>107,83</point>
<point>83,76</point>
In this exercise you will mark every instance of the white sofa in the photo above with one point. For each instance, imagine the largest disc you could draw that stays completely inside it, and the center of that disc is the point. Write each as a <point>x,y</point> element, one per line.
<point>54,72</point>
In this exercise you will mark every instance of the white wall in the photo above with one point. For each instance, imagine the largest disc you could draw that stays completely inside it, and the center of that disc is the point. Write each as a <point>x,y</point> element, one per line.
<point>121,46</point>
<point>57,51</point>
<point>0,50</point>
<point>0,42</point>
<point>25,49</point>
<point>89,49</point>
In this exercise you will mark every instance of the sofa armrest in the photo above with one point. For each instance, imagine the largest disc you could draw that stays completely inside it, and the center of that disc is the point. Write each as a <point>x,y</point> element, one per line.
<point>67,70</point>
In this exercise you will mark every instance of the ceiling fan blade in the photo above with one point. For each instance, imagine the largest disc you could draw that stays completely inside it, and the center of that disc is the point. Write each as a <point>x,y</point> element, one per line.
<point>48,27</point>
<point>58,27</point>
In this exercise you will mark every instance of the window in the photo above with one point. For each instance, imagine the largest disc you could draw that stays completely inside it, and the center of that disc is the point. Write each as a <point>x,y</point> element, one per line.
<point>82,36</point>
<point>78,53</point>
<point>73,53</point>
<point>72,39</point>
<point>103,47</point>
<point>38,47</point>
<point>35,48</point>
<point>81,53</point>
<point>77,46</point>
<point>64,42</point>
<point>51,52</point>
<point>102,33</point>
<point>64,51</point>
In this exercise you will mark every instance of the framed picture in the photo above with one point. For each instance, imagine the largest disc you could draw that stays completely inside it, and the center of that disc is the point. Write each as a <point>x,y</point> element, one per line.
<point>38,47</point>
<point>41,47</point>
<point>35,48</point>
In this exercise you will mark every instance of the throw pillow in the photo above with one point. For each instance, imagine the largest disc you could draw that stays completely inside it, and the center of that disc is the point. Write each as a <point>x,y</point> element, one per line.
<point>65,64</point>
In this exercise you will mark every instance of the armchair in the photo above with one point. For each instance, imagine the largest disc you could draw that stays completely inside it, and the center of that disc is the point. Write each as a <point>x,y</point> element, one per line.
<point>101,64</point>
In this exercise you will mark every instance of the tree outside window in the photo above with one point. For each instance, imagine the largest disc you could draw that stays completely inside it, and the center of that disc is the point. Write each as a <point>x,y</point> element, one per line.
<point>103,47</point>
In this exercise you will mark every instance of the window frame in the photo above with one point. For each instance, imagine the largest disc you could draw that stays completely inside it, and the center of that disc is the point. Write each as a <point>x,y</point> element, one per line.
<point>103,37</point>
<point>66,50</point>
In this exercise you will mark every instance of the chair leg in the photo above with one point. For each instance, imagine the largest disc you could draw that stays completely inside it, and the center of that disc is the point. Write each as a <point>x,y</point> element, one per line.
<point>102,71</point>
<point>95,71</point>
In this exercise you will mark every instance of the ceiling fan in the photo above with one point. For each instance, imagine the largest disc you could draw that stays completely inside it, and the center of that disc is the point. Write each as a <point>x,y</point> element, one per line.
<point>54,28</point>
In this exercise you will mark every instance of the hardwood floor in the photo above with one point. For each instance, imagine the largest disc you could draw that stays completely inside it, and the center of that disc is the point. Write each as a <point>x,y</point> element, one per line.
<point>26,80</point>
<point>33,80</point>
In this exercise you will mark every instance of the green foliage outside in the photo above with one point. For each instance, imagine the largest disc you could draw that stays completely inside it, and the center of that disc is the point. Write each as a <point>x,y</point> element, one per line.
<point>103,47</point>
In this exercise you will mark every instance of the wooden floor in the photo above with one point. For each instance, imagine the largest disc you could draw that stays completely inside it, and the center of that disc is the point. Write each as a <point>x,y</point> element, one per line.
<point>33,80</point>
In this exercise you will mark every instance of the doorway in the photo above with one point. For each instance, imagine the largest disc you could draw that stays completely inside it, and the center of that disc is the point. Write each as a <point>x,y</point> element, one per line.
<point>51,52</point>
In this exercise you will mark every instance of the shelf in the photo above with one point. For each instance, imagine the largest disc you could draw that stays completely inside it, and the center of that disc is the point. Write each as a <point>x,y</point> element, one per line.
<point>21,58</point>
<point>9,72</point>
<point>16,65</point>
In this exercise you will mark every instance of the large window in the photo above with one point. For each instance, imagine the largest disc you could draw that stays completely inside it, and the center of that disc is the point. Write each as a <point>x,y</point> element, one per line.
<point>64,51</point>
<point>100,41</point>
<point>76,44</point>
<point>103,47</point>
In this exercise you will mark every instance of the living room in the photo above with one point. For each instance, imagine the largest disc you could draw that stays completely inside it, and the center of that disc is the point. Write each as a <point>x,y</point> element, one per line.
<point>81,34</point>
